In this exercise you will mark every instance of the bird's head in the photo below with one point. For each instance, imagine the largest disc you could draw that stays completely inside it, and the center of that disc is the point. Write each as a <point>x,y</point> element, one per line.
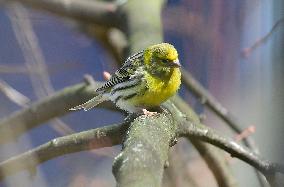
<point>161,58</point>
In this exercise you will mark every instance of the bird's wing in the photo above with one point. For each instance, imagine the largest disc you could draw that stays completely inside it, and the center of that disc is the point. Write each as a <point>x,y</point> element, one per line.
<point>124,73</point>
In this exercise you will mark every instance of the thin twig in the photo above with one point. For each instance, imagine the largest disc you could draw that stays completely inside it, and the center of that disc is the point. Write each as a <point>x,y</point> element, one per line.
<point>247,51</point>
<point>204,133</point>
<point>14,95</point>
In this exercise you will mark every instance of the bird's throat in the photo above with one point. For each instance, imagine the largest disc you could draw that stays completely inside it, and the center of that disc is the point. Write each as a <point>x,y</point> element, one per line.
<point>163,73</point>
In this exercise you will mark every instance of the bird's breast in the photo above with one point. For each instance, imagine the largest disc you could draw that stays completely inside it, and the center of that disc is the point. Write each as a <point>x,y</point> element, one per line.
<point>158,90</point>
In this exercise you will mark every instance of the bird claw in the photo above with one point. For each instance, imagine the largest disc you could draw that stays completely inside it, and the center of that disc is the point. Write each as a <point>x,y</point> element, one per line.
<point>148,113</point>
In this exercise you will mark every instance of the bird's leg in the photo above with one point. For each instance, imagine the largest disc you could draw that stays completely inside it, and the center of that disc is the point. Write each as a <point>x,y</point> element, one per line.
<point>148,113</point>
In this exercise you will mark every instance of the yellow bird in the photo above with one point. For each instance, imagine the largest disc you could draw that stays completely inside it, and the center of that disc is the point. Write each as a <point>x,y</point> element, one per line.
<point>146,79</point>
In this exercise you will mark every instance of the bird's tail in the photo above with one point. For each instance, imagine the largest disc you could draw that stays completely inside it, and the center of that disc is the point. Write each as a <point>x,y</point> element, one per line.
<point>91,103</point>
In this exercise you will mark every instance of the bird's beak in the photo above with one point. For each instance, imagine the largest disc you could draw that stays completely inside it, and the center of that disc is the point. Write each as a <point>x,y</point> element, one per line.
<point>174,64</point>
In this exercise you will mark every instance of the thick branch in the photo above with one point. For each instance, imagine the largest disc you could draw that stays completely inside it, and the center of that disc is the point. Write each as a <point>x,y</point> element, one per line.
<point>103,13</point>
<point>145,151</point>
<point>52,106</point>
<point>91,139</point>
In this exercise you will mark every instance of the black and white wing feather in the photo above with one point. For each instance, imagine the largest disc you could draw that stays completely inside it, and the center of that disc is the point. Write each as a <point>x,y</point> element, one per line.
<point>123,74</point>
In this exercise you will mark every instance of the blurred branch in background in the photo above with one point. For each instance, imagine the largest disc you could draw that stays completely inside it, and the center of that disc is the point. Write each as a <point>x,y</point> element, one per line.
<point>8,68</point>
<point>195,24</point>
<point>246,52</point>
<point>22,69</point>
<point>34,59</point>
<point>104,20</point>
<point>13,95</point>
<point>29,45</point>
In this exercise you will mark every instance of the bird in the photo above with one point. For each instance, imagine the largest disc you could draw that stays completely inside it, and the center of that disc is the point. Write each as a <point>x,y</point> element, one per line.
<point>145,80</point>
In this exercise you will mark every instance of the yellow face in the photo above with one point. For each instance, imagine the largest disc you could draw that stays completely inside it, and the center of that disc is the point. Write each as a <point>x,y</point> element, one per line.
<point>162,55</point>
<point>163,76</point>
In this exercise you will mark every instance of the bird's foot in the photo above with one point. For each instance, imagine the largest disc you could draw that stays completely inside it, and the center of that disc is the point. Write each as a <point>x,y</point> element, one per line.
<point>148,113</point>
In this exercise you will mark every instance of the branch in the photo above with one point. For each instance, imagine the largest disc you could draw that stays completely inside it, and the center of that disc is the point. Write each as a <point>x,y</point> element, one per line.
<point>13,95</point>
<point>103,13</point>
<point>145,151</point>
<point>247,51</point>
<point>192,128</point>
<point>87,140</point>
<point>146,30</point>
<point>212,103</point>
<point>52,106</point>
<point>214,158</point>
<point>204,133</point>
<point>30,48</point>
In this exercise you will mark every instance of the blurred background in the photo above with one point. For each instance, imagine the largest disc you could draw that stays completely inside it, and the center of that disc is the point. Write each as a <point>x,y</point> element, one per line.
<point>217,43</point>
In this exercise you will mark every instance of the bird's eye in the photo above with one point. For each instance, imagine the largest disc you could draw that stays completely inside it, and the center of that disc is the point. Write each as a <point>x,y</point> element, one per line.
<point>165,61</point>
